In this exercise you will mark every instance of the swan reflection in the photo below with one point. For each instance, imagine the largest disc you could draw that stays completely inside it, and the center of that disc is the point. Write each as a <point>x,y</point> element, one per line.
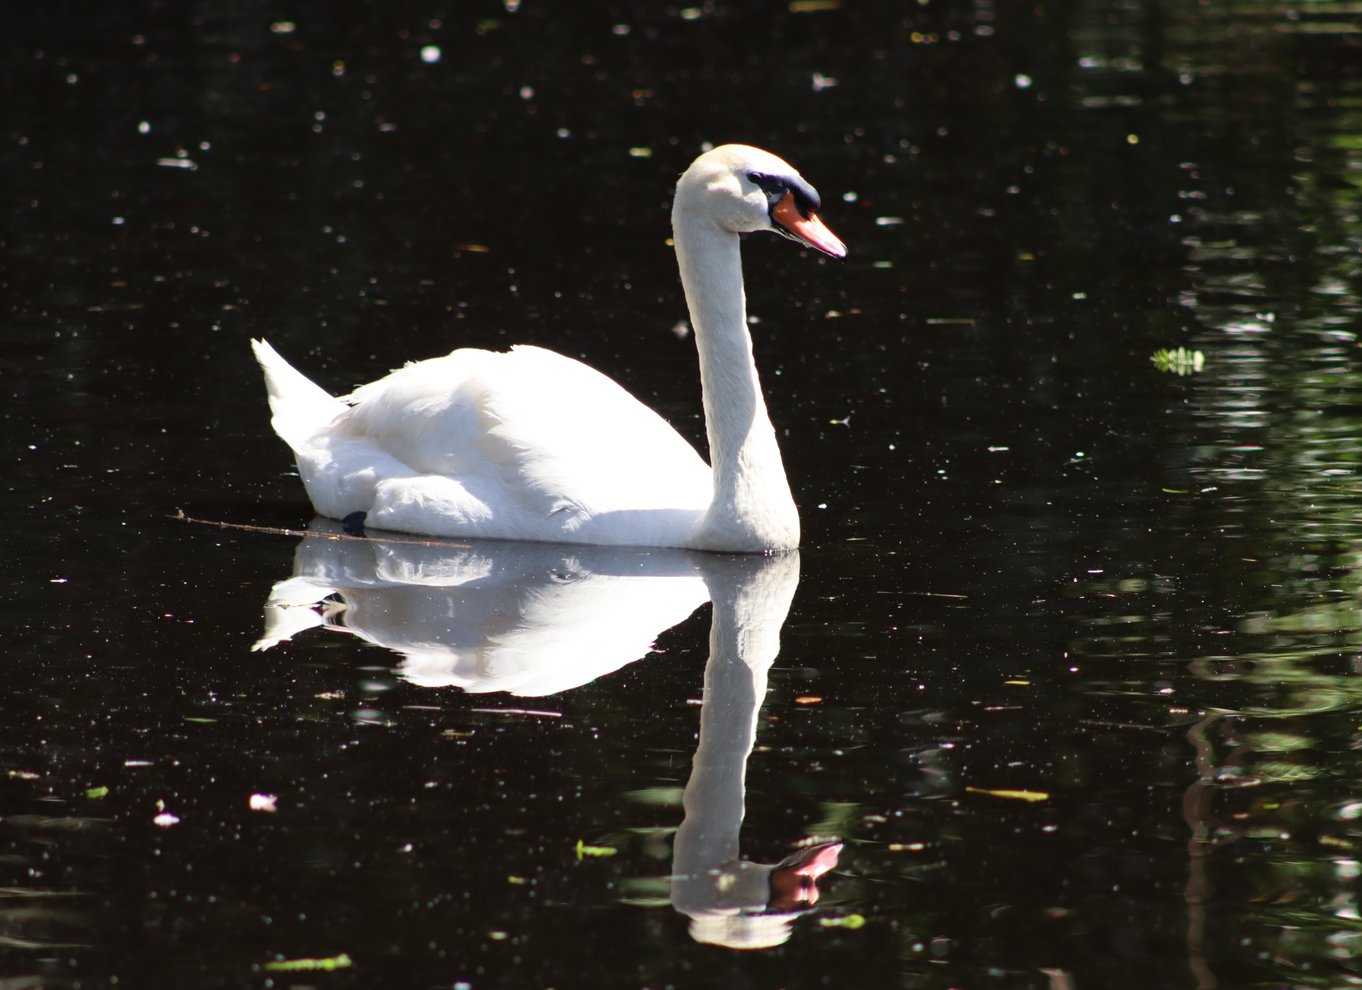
<point>530,619</point>
<point>535,619</point>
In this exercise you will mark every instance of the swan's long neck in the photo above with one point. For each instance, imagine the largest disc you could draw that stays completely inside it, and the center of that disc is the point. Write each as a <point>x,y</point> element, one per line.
<point>752,508</point>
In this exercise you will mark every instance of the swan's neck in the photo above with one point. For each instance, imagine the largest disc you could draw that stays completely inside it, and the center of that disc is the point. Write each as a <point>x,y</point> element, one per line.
<point>752,508</point>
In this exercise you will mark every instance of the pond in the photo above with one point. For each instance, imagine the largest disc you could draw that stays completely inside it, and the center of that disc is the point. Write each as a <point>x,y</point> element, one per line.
<point>1062,689</point>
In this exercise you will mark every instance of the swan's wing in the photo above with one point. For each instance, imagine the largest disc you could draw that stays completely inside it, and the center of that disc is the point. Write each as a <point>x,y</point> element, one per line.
<point>531,427</point>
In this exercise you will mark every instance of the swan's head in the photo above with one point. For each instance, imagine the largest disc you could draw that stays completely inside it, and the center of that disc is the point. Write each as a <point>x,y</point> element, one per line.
<point>742,189</point>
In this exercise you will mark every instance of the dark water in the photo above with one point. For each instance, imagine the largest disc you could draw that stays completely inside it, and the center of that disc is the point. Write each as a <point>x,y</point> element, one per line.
<point>1070,659</point>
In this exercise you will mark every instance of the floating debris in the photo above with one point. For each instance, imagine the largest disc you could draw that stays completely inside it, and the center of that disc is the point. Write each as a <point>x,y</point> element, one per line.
<point>1023,795</point>
<point>1180,361</point>
<point>326,965</point>
<point>851,921</point>
<point>542,713</point>
<point>597,852</point>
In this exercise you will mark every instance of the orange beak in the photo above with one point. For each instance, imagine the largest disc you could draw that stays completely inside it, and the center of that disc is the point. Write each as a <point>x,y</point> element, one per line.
<point>806,229</point>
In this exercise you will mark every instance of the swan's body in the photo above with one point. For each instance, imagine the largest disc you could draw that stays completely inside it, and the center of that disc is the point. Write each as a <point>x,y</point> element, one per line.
<point>531,445</point>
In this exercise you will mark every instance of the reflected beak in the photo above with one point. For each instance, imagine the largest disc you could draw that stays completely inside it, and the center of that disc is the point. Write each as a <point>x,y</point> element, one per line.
<point>806,229</point>
<point>794,881</point>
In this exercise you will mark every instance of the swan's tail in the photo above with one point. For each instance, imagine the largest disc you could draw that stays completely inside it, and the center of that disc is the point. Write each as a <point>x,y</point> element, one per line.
<point>300,407</point>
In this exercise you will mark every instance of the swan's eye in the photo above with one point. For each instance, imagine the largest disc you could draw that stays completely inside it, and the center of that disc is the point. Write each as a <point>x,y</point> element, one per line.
<point>777,188</point>
<point>769,184</point>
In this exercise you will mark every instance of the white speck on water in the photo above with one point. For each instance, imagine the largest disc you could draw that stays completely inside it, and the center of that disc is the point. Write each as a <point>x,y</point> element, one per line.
<point>430,54</point>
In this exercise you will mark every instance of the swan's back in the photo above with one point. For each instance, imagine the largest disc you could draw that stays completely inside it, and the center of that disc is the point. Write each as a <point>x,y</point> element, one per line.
<point>558,425</point>
<point>525,444</point>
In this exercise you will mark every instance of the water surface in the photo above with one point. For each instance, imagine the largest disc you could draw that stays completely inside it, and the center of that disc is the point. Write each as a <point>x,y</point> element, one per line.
<point>1066,662</point>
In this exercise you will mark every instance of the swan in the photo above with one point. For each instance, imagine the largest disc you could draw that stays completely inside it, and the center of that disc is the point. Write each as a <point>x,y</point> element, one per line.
<point>531,445</point>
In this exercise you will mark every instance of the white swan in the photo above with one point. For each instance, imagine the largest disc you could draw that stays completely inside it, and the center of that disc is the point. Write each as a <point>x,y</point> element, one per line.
<point>531,445</point>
